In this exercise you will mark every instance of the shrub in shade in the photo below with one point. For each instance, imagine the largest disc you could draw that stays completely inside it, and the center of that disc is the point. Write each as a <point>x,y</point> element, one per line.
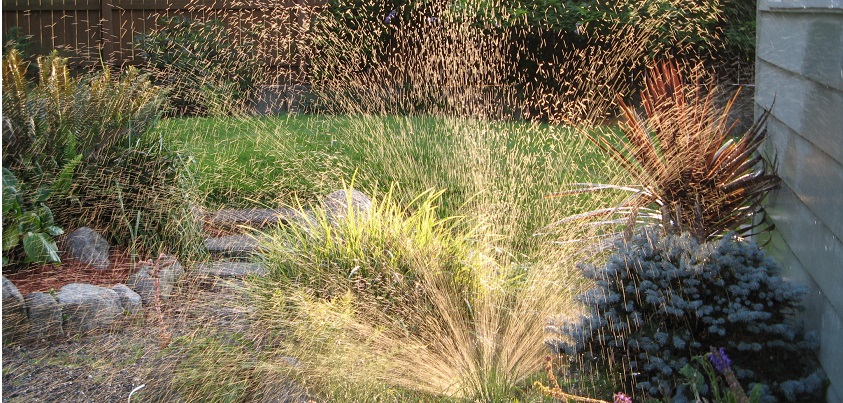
<point>661,300</point>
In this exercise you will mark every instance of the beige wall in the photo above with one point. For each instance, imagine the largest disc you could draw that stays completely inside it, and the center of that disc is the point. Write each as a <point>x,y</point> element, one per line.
<point>799,71</point>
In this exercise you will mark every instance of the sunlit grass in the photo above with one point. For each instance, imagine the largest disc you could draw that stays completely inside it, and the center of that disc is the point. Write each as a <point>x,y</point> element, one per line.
<point>243,161</point>
<point>499,171</point>
<point>402,298</point>
<point>445,287</point>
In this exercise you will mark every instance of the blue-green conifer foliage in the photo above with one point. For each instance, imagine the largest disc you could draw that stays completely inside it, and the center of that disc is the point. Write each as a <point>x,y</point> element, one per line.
<point>661,300</point>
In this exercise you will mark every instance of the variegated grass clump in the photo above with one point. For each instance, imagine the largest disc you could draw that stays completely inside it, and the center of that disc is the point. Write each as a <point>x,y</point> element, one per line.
<point>399,301</point>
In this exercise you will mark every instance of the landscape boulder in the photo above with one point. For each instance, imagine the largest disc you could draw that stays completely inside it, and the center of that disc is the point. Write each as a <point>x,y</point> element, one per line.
<point>168,271</point>
<point>337,204</point>
<point>88,307</point>
<point>88,246</point>
<point>44,316</point>
<point>130,301</point>
<point>15,321</point>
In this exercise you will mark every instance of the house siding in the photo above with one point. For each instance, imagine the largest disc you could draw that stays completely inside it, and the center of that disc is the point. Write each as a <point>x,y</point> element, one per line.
<point>799,77</point>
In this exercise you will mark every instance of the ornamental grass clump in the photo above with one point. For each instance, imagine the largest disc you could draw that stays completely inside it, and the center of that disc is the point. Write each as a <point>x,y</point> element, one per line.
<point>661,300</point>
<point>400,302</point>
<point>690,172</point>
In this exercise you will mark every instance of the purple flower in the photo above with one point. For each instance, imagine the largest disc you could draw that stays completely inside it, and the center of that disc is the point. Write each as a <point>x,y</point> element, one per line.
<point>621,397</point>
<point>721,362</point>
<point>390,16</point>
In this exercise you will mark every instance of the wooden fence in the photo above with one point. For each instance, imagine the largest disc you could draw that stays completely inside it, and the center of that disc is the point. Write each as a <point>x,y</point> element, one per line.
<point>89,31</point>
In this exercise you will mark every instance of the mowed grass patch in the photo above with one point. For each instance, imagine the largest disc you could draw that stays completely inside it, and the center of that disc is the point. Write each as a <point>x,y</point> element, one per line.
<point>244,161</point>
<point>497,171</point>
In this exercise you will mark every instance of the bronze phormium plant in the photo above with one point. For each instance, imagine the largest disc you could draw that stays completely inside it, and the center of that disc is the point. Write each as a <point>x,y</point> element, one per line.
<point>691,172</point>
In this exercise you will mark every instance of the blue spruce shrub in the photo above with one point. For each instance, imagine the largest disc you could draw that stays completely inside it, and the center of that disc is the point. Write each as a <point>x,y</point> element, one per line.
<point>659,301</point>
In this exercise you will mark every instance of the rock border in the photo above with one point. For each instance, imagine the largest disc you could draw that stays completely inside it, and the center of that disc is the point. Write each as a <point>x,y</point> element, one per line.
<point>80,308</point>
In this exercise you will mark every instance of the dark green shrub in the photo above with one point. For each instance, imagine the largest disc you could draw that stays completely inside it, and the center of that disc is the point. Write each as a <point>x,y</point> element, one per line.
<point>661,300</point>
<point>681,24</point>
<point>350,36</point>
<point>696,30</point>
<point>205,69</point>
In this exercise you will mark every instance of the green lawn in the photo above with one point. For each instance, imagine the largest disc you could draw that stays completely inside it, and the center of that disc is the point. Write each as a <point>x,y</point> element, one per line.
<point>497,171</point>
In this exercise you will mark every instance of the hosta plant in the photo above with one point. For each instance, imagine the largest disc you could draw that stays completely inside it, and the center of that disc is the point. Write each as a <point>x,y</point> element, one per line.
<point>690,172</point>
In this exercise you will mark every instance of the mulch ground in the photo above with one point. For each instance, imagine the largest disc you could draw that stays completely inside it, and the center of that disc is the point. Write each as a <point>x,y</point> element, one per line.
<point>51,277</point>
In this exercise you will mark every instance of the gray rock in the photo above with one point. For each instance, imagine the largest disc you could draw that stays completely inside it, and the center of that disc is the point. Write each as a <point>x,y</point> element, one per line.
<point>305,219</point>
<point>44,316</point>
<point>15,322</point>
<point>130,301</point>
<point>88,307</point>
<point>223,269</point>
<point>169,270</point>
<point>243,245</point>
<point>337,204</point>
<point>88,246</point>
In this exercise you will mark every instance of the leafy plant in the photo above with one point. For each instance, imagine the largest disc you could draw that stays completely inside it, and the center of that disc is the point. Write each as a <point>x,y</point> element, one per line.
<point>14,38</point>
<point>690,173</point>
<point>661,300</point>
<point>82,137</point>
<point>28,224</point>
<point>681,24</point>
<point>39,127</point>
<point>201,64</point>
<point>714,363</point>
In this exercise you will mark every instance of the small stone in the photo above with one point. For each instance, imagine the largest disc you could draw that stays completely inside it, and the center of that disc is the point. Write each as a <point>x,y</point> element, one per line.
<point>44,316</point>
<point>88,307</point>
<point>130,301</point>
<point>143,282</point>
<point>253,218</point>
<point>88,246</point>
<point>337,204</point>
<point>242,245</point>
<point>225,269</point>
<point>15,321</point>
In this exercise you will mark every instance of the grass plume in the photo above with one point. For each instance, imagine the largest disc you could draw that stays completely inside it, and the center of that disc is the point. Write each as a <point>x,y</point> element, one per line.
<point>410,301</point>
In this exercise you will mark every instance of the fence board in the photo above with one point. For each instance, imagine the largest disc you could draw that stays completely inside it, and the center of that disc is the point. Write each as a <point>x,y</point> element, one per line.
<point>84,30</point>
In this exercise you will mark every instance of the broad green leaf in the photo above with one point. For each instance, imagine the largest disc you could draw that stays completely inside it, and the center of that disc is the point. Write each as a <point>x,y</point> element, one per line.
<point>10,192</point>
<point>40,248</point>
<point>54,230</point>
<point>42,195</point>
<point>46,215</point>
<point>10,182</point>
<point>11,237</point>
<point>30,222</point>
